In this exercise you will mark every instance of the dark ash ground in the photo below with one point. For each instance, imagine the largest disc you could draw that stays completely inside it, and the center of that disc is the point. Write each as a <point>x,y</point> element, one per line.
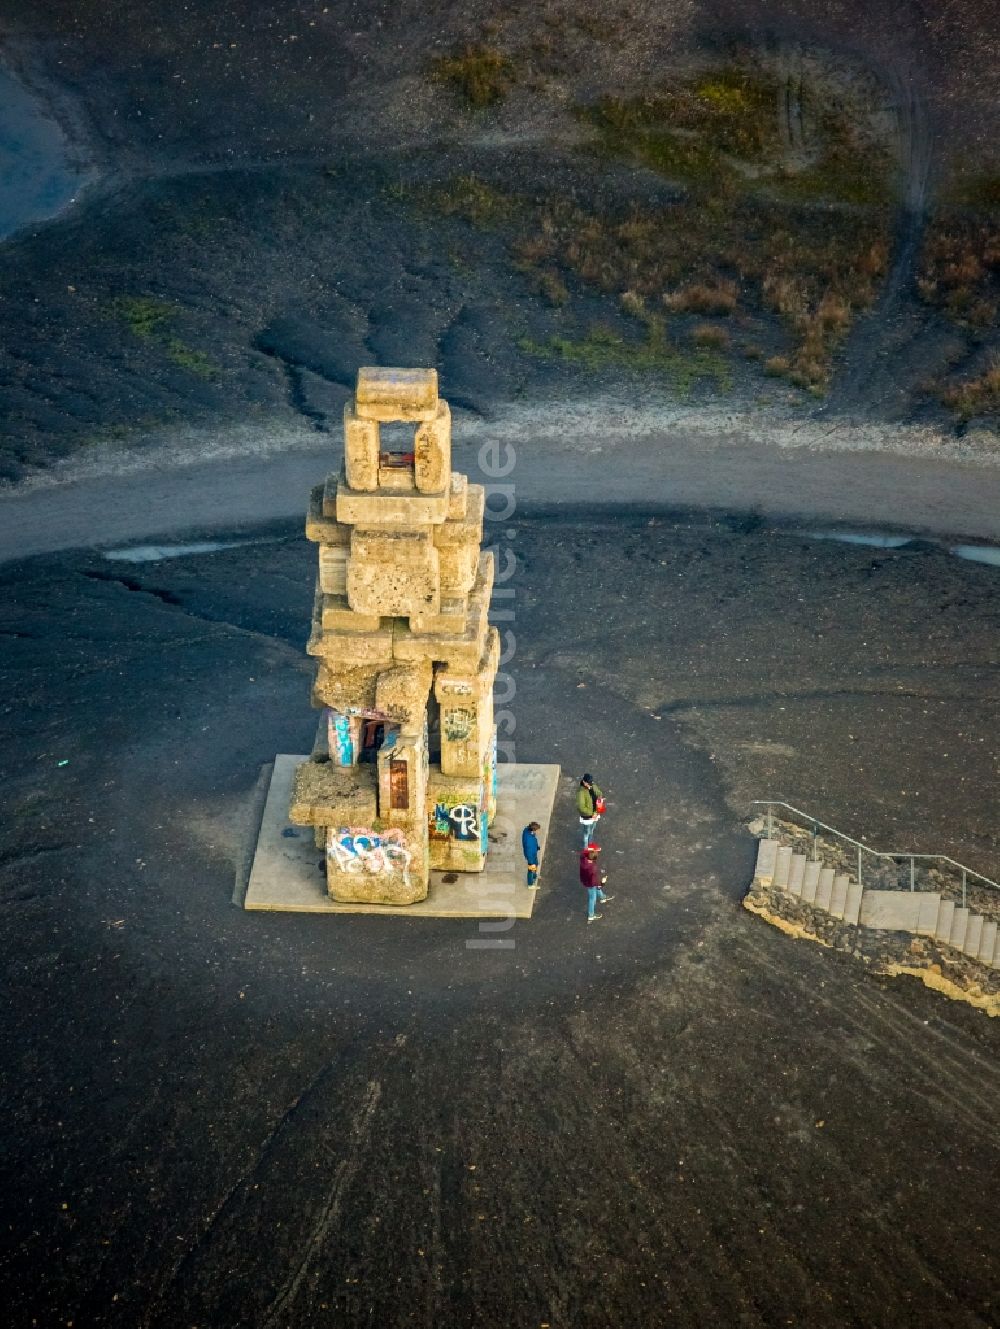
<point>676,1116</point>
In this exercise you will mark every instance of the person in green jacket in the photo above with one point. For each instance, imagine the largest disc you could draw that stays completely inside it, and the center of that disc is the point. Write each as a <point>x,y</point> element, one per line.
<point>587,804</point>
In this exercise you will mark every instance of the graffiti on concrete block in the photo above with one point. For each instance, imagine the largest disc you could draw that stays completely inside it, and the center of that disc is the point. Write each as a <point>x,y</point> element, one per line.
<point>362,852</point>
<point>399,784</point>
<point>457,724</point>
<point>440,823</point>
<point>340,739</point>
<point>465,821</point>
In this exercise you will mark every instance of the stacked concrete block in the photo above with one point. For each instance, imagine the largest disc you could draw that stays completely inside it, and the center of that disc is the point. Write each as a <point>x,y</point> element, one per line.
<point>401,637</point>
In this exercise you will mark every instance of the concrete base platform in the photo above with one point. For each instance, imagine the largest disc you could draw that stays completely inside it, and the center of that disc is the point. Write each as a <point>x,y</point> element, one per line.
<point>289,874</point>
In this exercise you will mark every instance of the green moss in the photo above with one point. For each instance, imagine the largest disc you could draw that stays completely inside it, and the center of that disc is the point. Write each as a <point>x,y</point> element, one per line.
<point>481,75</point>
<point>143,315</point>
<point>977,190</point>
<point>150,320</point>
<point>195,362</point>
<point>469,197</point>
<point>602,348</point>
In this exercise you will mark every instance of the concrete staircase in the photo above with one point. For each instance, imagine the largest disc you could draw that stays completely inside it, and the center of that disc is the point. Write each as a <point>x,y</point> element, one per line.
<point>924,913</point>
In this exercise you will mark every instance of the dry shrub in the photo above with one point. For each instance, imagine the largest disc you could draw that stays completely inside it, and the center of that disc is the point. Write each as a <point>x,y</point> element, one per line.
<point>632,303</point>
<point>480,74</point>
<point>702,298</point>
<point>959,266</point>
<point>976,396</point>
<point>552,288</point>
<point>707,334</point>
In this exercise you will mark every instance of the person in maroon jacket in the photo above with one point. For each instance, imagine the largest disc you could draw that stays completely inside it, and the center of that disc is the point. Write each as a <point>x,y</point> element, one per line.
<point>593,878</point>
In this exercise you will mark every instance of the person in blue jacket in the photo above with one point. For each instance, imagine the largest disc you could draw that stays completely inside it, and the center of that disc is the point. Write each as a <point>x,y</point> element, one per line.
<point>531,849</point>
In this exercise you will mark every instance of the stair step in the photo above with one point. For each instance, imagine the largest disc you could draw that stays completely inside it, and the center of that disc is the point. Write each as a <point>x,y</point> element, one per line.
<point>959,927</point>
<point>894,911</point>
<point>810,884</point>
<point>838,899</point>
<point>974,935</point>
<point>930,907</point>
<point>767,851</point>
<point>989,952</point>
<point>811,879</point>
<point>796,873</point>
<point>781,865</point>
<point>943,930</point>
<point>825,891</point>
<point>852,906</point>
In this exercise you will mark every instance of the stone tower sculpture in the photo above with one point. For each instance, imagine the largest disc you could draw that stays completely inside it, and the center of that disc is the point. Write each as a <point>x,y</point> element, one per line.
<point>402,778</point>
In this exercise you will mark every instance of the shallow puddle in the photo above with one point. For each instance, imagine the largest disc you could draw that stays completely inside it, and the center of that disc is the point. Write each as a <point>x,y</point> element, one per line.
<point>37,176</point>
<point>875,540</point>
<point>156,553</point>
<point>978,553</point>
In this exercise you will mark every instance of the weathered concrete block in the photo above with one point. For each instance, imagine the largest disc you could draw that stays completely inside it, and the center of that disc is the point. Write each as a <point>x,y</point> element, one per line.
<point>348,688</point>
<point>767,856</point>
<point>361,448</point>
<point>927,914</point>
<point>461,652</point>
<point>959,927</point>
<point>989,952</point>
<point>396,479</point>
<point>324,793</point>
<point>337,615</point>
<point>466,735</point>
<point>401,693</point>
<point>404,548</point>
<point>895,911</point>
<point>459,564</point>
<point>811,886</point>
<point>396,394</point>
<point>458,496</point>
<point>450,620</point>
<point>402,778</point>
<point>457,822</point>
<point>333,569</point>
<point>838,897</point>
<point>467,530</point>
<point>852,907</point>
<point>407,508</point>
<point>396,587</point>
<point>432,453</point>
<point>782,864</point>
<point>322,527</point>
<point>974,935</point>
<point>376,866</point>
<point>825,889</point>
<point>944,920</point>
<point>810,879</point>
<point>796,874</point>
<point>346,649</point>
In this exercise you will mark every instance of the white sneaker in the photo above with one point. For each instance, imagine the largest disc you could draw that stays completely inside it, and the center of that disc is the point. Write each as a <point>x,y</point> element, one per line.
<point>594,917</point>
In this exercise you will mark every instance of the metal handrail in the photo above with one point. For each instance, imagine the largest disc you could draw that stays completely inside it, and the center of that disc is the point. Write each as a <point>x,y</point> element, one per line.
<point>862,848</point>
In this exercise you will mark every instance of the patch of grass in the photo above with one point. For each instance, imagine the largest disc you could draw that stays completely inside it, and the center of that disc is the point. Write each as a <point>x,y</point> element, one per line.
<point>553,289</point>
<point>480,75</point>
<point>601,348</point>
<point>469,197</point>
<point>710,334</point>
<point>978,189</point>
<point>960,268</point>
<point>976,396</point>
<point>151,320</point>
<point>717,297</point>
<point>143,315</point>
<point>184,356</point>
